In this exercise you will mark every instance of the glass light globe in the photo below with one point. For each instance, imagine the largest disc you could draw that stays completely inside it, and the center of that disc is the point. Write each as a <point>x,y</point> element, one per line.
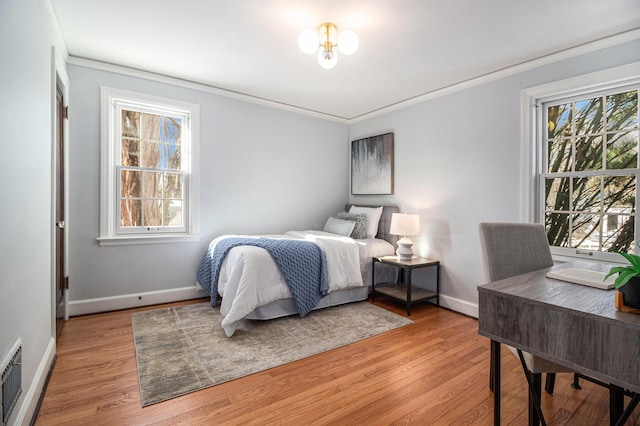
<point>348,42</point>
<point>327,59</point>
<point>308,41</point>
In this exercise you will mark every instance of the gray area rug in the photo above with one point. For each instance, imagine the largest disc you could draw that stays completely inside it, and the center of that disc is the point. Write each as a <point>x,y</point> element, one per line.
<point>184,349</point>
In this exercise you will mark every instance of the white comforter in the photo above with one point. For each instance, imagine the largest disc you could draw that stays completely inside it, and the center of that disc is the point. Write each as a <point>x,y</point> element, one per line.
<point>249,277</point>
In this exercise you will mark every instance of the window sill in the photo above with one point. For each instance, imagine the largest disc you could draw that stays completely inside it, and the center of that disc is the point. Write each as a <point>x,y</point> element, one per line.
<point>564,258</point>
<point>131,240</point>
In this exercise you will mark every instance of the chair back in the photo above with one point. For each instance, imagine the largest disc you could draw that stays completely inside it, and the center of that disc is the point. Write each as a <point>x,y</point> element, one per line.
<point>510,249</point>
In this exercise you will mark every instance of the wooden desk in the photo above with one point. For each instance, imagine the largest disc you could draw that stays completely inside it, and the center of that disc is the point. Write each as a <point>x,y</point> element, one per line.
<point>570,324</point>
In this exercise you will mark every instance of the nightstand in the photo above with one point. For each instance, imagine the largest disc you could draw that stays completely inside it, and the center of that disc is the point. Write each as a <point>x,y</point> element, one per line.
<point>402,290</point>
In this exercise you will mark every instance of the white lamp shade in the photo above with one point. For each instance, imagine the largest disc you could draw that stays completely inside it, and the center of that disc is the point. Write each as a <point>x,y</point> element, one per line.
<point>405,224</point>
<point>348,42</point>
<point>308,41</point>
<point>327,60</point>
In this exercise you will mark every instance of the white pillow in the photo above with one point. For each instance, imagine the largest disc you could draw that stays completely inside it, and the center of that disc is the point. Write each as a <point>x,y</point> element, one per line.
<point>373,216</point>
<point>339,226</point>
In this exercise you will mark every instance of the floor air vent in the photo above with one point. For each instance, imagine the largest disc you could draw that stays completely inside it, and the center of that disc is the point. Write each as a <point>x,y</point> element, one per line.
<point>11,369</point>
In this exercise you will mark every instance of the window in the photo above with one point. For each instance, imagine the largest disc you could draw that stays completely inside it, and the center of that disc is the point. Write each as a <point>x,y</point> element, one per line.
<point>148,177</point>
<point>590,171</point>
<point>580,162</point>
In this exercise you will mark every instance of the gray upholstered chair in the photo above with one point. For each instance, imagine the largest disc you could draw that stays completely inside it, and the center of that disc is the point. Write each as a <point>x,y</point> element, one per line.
<point>510,249</point>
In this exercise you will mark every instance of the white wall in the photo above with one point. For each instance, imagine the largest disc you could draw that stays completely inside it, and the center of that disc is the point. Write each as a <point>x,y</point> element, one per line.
<point>263,170</point>
<point>26,303</point>
<point>457,163</point>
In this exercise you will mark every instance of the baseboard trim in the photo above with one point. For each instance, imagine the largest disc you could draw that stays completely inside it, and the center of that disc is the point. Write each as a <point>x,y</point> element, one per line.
<point>127,301</point>
<point>459,305</point>
<point>28,409</point>
<point>43,390</point>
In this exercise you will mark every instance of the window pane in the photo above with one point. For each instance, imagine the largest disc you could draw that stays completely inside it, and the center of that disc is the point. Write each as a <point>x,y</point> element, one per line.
<point>172,157</point>
<point>619,233</point>
<point>171,130</point>
<point>557,225</point>
<point>559,123</point>
<point>620,194</point>
<point>130,123</point>
<point>173,185</point>
<point>622,111</point>
<point>588,153</point>
<point>586,194</point>
<point>559,155</point>
<point>153,213</point>
<point>152,184</point>
<point>130,184</point>
<point>622,150</point>
<point>129,152</point>
<point>150,154</point>
<point>130,213</point>
<point>151,127</point>
<point>585,231</point>
<point>173,213</point>
<point>589,116</point>
<point>557,191</point>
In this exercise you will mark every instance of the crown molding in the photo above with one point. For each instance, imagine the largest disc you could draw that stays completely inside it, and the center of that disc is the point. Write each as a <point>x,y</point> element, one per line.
<point>161,78</point>
<point>571,52</point>
<point>568,53</point>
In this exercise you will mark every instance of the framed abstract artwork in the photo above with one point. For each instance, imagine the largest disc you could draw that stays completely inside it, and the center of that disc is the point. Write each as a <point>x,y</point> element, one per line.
<point>372,165</point>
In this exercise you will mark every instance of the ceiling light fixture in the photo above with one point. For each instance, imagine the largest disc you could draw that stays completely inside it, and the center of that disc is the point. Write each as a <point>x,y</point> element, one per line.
<point>324,40</point>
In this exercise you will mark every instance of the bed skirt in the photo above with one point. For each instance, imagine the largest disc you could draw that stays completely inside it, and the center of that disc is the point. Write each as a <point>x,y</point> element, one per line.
<point>286,307</point>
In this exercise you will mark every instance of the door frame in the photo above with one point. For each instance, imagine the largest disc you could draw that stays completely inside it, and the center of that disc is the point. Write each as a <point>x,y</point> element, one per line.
<point>59,79</point>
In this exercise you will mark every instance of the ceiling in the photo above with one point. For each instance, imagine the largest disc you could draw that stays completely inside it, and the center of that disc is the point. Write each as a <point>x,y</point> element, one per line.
<point>408,48</point>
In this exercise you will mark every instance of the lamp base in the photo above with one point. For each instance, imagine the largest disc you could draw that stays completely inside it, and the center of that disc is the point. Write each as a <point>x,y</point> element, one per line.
<point>404,251</point>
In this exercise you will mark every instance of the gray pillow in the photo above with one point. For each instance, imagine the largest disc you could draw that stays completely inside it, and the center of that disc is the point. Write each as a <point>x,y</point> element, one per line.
<point>360,229</point>
<point>339,226</point>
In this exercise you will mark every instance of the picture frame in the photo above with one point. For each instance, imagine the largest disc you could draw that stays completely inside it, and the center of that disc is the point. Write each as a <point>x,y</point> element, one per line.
<point>372,165</point>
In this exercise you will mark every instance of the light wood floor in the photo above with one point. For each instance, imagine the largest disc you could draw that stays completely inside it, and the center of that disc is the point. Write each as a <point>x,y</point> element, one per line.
<point>433,372</point>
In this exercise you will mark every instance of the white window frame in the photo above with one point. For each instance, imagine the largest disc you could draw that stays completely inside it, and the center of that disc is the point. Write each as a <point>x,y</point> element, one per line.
<point>532,150</point>
<point>112,102</point>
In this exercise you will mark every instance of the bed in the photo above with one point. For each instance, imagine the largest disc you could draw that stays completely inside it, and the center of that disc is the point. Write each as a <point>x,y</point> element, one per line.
<point>248,277</point>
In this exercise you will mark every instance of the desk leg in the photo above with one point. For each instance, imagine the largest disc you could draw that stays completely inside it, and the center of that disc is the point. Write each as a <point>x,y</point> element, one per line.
<point>495,380</point>
<point>616,403</point>
<point>635,399</point>
<point>535,397</point>
<point>491,366</point>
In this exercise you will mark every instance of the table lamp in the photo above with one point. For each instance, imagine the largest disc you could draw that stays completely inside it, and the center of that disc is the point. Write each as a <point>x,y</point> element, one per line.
<point>405,225</point>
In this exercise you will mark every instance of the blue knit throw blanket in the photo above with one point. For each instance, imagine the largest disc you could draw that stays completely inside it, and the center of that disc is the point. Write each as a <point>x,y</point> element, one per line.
<point>302,264</point>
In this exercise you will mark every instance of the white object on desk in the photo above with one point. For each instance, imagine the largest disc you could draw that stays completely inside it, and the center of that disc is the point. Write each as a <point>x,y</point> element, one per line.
<point>584,277</point>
